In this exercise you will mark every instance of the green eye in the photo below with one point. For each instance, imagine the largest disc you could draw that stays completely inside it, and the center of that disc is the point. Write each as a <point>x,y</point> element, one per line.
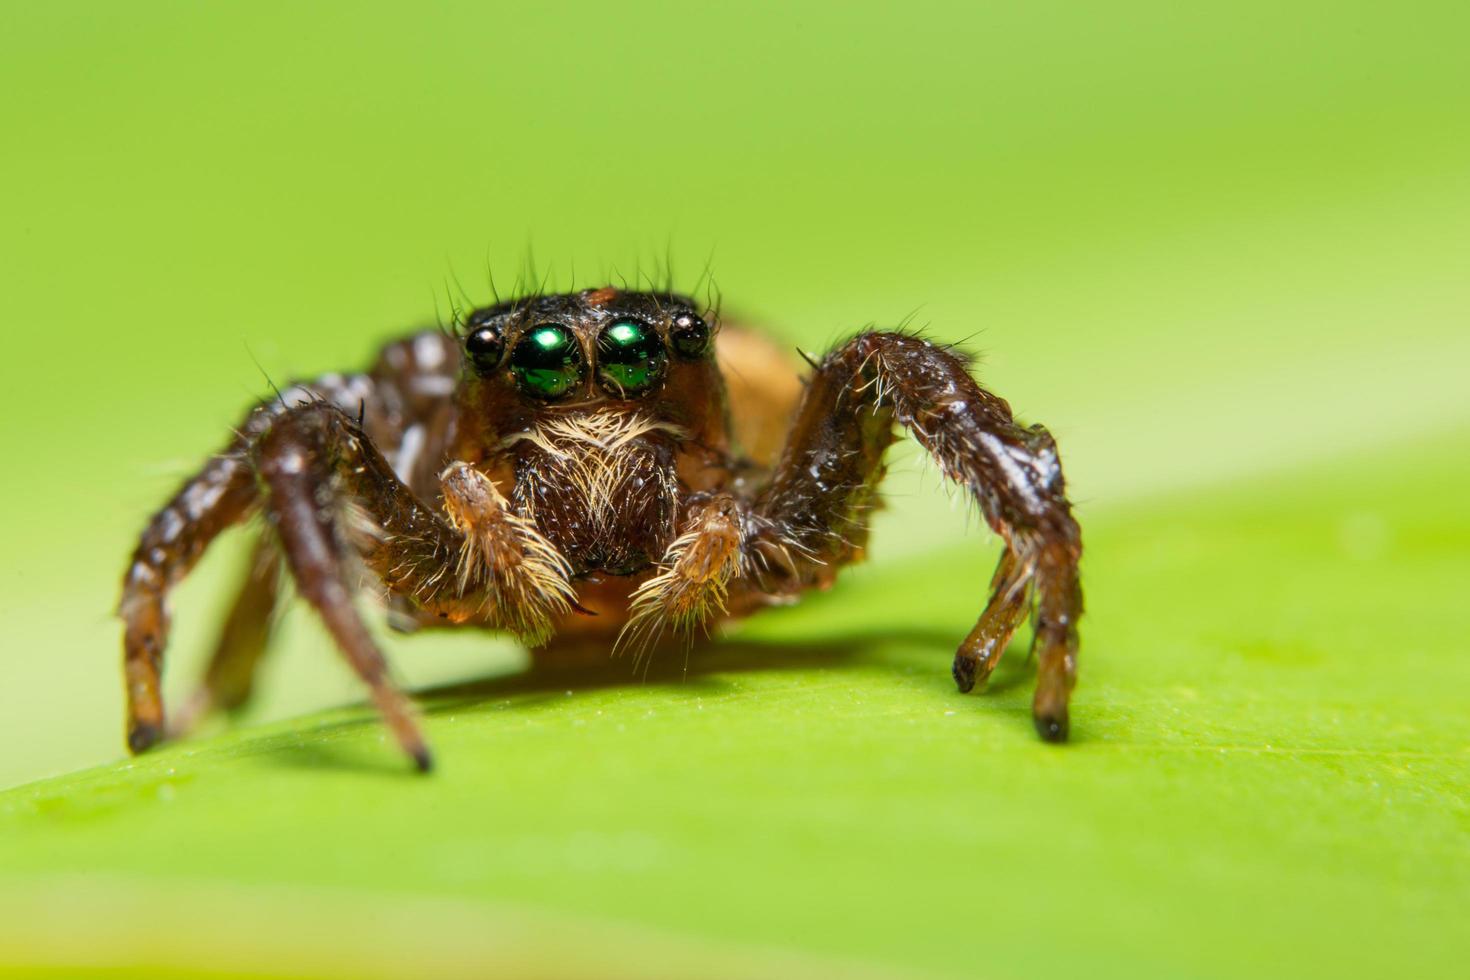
<point>630,357</point>
<point>547,361</point>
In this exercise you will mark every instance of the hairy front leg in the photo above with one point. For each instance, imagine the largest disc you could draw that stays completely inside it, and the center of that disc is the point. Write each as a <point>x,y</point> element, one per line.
<point>815,508</point>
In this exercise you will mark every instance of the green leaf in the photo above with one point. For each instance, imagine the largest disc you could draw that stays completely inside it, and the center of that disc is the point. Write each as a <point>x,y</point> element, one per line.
<point>1255,772</point>
<point>1200,242</point>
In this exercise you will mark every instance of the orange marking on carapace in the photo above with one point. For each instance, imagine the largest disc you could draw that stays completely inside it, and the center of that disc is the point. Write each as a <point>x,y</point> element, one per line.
<point>600,297</point>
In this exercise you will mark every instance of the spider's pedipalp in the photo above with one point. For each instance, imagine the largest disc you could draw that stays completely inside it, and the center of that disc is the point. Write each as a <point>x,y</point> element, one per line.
<point>691,586</point>
<point>525,582</point>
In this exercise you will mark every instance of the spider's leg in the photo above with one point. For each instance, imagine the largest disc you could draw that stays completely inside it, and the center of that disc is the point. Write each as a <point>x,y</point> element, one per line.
<point>229,680</point>
<point>330,492</point>
<point>813,511</point>
<point>222,494</point>
<point>302,460</point>
<point>1010,600</point>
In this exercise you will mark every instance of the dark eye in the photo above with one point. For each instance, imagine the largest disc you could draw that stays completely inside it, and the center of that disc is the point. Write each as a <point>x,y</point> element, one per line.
<point>484,345</point>
<point>547,361</point>
<point>690,335</point>
<point>630,357</point>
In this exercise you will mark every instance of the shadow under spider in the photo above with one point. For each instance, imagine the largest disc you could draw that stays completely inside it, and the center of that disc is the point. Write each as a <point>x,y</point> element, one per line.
<point>708,658</point>
<point>705,660</point>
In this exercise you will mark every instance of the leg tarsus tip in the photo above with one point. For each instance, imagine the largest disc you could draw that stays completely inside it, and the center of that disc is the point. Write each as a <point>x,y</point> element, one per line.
<point>964,673</point>
<point>423,760</point>
<point>142,736</point>
<point>1053,728</point>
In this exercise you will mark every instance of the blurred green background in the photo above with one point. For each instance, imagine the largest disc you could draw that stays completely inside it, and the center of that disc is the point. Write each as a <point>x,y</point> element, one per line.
<point>1220,250</point>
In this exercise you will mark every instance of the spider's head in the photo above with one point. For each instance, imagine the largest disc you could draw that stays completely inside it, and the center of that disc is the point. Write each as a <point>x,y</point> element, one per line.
<point>582,404</point>
<point>595,346</point>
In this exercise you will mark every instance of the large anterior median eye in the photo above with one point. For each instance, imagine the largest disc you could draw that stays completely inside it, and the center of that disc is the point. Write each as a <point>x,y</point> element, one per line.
<point>547,361</point>
<point>630,357</point>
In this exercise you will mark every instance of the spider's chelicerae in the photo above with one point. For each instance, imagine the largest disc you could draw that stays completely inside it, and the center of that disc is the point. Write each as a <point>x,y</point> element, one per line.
<point>605,466</point>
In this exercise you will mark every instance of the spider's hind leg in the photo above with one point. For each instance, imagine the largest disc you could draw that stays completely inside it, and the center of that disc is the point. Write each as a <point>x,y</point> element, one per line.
<point>221,495</point>
<point>229,679</point>
<point>1010,601</point>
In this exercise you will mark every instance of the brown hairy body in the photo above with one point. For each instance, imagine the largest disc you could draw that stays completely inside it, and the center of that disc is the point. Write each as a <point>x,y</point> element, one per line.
<point>600,470</point>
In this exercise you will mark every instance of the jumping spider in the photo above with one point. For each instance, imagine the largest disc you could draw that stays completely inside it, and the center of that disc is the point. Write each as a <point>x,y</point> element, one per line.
<point>603,466</point>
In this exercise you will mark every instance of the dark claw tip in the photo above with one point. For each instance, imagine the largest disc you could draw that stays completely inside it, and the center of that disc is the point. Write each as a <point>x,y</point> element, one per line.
<point>143,736</point>
<point>964,674</point>
<point>1052,728</point>
<point>422,760</point>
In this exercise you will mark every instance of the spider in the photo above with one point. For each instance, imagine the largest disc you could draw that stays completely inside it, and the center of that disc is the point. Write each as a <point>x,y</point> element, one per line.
<point>605,466</point>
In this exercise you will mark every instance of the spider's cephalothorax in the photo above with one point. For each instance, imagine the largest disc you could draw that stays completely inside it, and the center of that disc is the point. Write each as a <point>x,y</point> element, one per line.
<point>591,410</point>
<point>604,466</point>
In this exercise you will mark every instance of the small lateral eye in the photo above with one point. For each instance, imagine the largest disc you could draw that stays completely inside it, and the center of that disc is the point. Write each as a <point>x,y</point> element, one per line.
<point>689,335</point>
<point>630,357</point>
<point>485,345</point>
<point>547,361</point>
